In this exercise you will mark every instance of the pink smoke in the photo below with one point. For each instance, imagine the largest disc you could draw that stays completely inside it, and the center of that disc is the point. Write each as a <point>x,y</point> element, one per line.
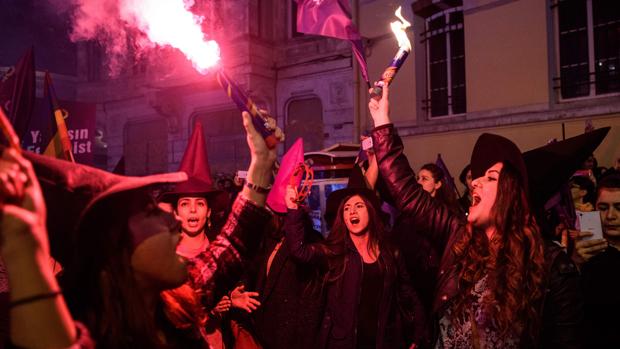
<point>125,31</point>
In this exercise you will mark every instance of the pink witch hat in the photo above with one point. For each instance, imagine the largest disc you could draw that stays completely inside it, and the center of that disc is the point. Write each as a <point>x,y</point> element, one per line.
<point>290,161</point>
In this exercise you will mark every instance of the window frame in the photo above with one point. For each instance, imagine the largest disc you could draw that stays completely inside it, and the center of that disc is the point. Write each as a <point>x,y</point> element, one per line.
<point>556,82</point>
<point>426,36</point>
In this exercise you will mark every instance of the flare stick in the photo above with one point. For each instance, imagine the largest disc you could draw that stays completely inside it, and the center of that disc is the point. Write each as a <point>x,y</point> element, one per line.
<point>244,103</point>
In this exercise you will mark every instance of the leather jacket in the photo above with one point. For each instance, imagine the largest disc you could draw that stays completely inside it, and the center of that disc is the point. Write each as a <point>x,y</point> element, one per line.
<point>561,310</point>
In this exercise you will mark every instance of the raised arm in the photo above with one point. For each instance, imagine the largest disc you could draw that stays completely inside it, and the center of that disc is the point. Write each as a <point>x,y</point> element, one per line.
<point>217,270</point>
<point>39,317</point>
<point>294,230</point>
<point>426,214</point>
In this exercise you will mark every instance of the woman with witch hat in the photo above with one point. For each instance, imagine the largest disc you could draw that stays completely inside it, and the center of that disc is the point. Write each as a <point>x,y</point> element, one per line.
<point>369,297</point>
<point>118,248</point>
<point>194,202</point>
<point>499,285</point>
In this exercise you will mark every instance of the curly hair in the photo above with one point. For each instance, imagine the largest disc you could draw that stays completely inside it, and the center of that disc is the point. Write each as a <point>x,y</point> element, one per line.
<point>513,259</point>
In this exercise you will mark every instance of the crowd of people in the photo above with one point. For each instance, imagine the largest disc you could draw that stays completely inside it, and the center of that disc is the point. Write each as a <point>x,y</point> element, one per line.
<point>176,261</point>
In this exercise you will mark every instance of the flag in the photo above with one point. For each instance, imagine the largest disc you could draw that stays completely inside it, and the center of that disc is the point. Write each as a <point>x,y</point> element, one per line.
<point>60,144</point>
<point>449,180</point>
<point>18,92</point>
<point>331,18</point>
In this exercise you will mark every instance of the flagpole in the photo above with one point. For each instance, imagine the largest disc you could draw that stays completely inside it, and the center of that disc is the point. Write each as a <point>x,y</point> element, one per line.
<point>357,108</point>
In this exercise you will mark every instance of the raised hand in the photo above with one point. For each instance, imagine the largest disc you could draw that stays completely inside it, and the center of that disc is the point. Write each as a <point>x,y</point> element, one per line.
<point>23,208</point>
<point>380,109</point>
<point>244,300</point>
<point>289,197</point>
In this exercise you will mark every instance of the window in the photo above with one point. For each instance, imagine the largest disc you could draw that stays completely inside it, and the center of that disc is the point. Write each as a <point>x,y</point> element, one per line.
<point>589,47</point>
<point>445,62</point>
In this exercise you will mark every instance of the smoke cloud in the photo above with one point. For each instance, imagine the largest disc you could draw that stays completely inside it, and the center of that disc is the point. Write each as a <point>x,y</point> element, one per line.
<point>113,24</point>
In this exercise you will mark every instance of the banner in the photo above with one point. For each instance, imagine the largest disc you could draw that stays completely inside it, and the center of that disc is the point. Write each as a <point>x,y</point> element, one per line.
<point>81,126</point>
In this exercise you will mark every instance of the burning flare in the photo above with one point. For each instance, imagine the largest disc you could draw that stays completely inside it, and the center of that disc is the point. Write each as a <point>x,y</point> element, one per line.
<point>399,28</point>
<point>171,23</point>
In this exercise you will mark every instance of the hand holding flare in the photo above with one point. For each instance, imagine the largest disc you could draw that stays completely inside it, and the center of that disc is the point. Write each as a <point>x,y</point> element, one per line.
<point>264,124</point>
<point>404,48</point>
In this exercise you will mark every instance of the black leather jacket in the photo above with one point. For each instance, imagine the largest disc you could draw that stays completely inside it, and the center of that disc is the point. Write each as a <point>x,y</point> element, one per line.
<point>562,310</point>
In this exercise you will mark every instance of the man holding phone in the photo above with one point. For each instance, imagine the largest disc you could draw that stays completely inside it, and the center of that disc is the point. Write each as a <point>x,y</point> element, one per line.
<point>600,271</point>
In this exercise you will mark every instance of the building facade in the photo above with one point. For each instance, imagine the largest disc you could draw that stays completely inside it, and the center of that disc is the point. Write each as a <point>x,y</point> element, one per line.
<point>531,70</point>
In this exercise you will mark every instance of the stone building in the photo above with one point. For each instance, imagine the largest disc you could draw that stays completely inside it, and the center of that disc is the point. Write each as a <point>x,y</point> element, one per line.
<point>531,70</point>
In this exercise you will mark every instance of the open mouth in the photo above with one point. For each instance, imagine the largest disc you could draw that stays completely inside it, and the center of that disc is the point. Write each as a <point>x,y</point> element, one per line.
<point>193,221</point>
<point>475,200</point>
<point>354,220</point>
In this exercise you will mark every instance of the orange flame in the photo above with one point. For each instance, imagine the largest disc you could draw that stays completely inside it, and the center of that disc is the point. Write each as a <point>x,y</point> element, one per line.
<point>399,28</point>
<point>170,22</point>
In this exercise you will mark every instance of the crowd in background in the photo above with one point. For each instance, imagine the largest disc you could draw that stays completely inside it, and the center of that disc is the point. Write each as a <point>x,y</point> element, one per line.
<point>232,263</point>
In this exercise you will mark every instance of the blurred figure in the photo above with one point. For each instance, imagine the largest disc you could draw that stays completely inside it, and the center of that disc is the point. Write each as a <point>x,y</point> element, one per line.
<point>583,193</point>
<point>432,179</point>
<point>36,313</point>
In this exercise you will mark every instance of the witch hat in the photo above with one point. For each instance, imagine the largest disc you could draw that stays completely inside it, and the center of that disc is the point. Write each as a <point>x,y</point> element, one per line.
<point>551,166</point>
<point>71,191</point>
<point>545,169</point>
<point>290,161</point>
<point>357,185</point>
<point>195,163</point>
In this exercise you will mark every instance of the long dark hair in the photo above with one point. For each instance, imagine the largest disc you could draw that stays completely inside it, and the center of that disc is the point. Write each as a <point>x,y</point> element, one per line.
<point>513,260</point>
<point>444,194</point>
<point>100,286</point>
<point>335,243</point>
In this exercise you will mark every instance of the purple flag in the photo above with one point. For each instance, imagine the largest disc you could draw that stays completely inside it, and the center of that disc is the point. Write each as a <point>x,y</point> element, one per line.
<point>331,18</point>
<point>449,180</point>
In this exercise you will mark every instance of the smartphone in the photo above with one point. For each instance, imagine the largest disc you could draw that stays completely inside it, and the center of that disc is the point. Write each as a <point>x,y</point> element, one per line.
<point>367,143</point>
<point>242,174</point>
<point>590,222</point>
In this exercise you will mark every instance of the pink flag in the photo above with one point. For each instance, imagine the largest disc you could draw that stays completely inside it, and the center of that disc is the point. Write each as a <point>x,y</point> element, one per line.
<point>331,18</point>
<point>290,161</point>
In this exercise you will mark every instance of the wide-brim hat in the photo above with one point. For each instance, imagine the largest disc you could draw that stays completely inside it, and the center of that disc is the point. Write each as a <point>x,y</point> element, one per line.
<point>491,149</point>
<point>544,169</point>
<point>357,185</point>
<point>195,163</point>
<point>71,190</point>
<point>551,166</point>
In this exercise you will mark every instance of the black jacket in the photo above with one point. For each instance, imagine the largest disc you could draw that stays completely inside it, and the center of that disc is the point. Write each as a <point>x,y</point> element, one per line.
<point>562,313</point>
<point>291,304</point>
<point>399,305</point>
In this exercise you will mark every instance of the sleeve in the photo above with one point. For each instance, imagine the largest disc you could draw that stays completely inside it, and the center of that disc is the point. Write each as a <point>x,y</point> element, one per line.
<point>294,229</point>
<point>420,208</point>
<point>217,270</point>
